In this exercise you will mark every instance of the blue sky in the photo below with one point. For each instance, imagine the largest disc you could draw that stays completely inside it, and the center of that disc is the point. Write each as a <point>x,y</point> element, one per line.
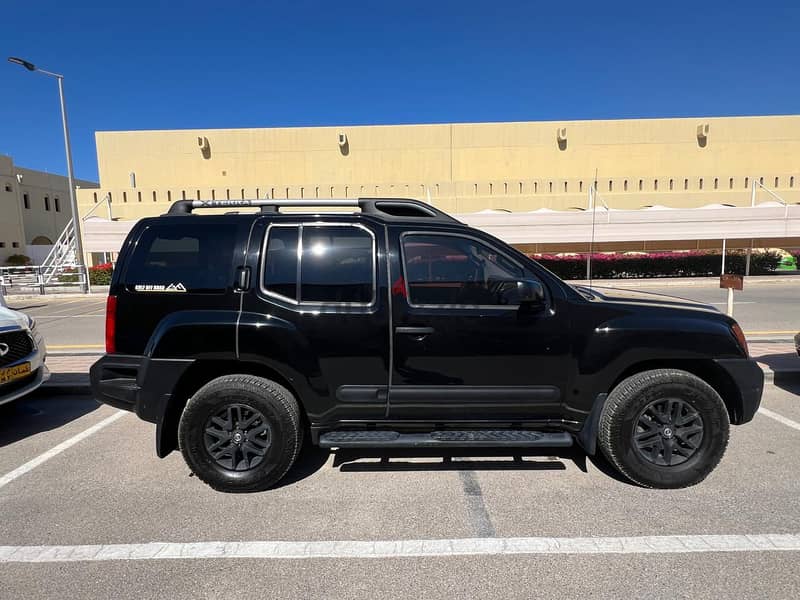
<point>174,64</point>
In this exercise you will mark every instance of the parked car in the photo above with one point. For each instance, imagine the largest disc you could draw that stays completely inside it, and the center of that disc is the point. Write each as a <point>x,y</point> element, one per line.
<point>797,343</point>
<point>398,326</point>
<point>22,355</point>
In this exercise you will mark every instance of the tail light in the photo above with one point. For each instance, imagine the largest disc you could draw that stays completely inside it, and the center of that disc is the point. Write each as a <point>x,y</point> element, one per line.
<point>739,335</point>
<point>111,325</point>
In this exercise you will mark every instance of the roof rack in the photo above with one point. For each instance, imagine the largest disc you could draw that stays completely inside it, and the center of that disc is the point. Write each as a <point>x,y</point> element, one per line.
<point>386,208</point>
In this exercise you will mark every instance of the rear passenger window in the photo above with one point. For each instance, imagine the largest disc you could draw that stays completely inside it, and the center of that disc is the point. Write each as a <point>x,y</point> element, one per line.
<point>193,258</point>
<point>336,264</point>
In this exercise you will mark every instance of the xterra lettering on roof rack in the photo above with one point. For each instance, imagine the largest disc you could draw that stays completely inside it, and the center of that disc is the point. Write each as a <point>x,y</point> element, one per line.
<point>385,208</point>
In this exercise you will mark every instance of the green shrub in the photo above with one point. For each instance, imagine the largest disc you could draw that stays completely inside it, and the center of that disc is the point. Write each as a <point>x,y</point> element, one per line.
<point>18,260</point>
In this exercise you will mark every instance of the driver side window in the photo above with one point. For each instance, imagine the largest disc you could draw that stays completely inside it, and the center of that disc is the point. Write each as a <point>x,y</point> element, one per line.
<point>452,270</point>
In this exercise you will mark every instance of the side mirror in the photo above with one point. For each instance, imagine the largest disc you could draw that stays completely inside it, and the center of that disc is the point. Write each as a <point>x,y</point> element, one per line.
<point>527,293</point>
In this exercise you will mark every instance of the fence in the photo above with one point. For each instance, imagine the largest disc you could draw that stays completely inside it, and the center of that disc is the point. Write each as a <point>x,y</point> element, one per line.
<point>33,279</point>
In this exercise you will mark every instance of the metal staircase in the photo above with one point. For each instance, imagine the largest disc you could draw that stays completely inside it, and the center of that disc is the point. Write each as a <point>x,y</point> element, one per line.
<point>61,257</point>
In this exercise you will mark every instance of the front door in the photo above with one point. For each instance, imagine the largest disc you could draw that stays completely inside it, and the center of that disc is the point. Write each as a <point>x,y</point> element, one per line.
<point>463,350</point>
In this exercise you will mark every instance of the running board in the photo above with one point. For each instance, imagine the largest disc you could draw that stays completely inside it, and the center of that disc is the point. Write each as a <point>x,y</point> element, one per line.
<point>445,438</point>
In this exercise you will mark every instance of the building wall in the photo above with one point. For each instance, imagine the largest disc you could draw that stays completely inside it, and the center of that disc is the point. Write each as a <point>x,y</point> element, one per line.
<point>35,209</point>
<point>462,167</point>
<point>11,232</point>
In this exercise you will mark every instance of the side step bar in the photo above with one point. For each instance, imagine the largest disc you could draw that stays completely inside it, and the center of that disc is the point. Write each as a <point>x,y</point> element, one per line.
<point>445,438</point>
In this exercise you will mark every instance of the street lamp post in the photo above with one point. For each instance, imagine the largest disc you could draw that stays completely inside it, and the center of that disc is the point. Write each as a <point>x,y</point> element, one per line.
<point>76,222</point>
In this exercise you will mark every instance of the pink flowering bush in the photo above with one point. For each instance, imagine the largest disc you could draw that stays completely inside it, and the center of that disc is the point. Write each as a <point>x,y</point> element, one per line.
<point>657,264</point>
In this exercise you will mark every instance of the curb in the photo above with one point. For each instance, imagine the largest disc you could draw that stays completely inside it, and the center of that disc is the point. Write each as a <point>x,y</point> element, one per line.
<point>787,377</point>
<point>65,389</point>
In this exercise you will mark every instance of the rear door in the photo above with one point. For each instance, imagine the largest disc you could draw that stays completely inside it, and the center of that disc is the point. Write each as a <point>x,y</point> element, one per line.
<point>463,351</point>
<point>178,264</point>
<point>319,313</point>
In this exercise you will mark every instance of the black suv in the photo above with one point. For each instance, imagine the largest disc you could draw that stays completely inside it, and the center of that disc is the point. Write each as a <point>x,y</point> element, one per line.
<point>397,326</point>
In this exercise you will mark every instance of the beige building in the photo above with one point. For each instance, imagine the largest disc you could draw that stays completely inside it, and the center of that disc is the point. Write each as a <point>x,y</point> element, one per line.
<point>34,208</point>
<point>461,168</point>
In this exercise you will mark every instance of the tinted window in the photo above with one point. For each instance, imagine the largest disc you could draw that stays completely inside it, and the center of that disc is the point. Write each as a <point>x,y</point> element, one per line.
<point>280,267</point>
<point>195,258</point>
<point>337,265</point>
<point>454,270</point>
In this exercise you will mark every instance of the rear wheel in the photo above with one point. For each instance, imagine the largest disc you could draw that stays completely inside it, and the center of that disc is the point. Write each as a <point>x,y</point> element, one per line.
<point>664,428</point>
<point>240,433</point>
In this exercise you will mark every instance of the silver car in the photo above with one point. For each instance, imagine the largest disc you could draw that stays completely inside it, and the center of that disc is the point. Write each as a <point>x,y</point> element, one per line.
<point>22,355</point>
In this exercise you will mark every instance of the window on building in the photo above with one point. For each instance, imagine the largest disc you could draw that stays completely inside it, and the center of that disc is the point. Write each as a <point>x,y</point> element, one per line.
<point>641,185</point>
<point>625,185</point>
<point>686,184</point>
<point>761,180</point>
<point>46,203</point>
<point>57,203</point>
<point>169,196</point>
<point>505,189</point>
<point>791,181</point>
<point>551,187</point>
<point>491,189</point>
<point>610,186</point>
<point>565,187</point>
<point>450,270</point>
<point>716,183</point>
<point>671,184</point>
<point>26,201</point>
<point>655,185</point>
<point>700,183</point>
<point>776,181</point>
<point>520,187</point>
<point>15,244</point>
<point>580,186</point>
<point>535,186</point>
<point>746,182</point>
<point>9,188</point>
<point>2,244</point>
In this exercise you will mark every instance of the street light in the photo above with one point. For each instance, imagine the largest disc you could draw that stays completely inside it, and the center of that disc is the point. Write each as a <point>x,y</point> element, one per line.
<point>70,177</point>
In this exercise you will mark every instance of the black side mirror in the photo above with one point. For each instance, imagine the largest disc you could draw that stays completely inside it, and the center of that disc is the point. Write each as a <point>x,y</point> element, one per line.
<point>527,293</point>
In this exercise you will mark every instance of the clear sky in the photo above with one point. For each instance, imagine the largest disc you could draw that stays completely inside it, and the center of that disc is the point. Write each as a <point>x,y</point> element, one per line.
<point>173,64</point>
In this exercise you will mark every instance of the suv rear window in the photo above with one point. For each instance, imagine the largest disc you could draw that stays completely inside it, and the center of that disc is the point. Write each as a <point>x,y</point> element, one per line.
<point>193,258</point>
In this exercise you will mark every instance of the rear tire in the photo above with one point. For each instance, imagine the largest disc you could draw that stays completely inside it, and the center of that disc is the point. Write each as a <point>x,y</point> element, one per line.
<point>664,428</point>
<point>240,433</point>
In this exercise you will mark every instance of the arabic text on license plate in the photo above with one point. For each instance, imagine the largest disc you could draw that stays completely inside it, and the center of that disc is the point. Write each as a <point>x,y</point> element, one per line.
<point>15,372</point>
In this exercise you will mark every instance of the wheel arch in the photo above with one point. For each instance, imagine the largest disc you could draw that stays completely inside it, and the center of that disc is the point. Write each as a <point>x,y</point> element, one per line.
<point>199,374</point>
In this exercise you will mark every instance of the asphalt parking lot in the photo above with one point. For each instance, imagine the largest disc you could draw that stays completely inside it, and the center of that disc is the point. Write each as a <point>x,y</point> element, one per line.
<point>81,481</point>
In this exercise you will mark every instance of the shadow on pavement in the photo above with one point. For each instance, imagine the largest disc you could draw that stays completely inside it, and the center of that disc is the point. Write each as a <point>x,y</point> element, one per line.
<point>786,367</point>
<point>37,413</point>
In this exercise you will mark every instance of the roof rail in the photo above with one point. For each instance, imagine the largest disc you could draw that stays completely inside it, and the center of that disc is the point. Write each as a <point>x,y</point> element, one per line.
<point>387,208</point>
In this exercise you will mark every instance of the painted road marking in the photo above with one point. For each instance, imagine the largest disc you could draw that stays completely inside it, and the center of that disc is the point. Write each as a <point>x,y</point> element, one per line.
<point>780,418</point>
<point>40,318</point>
<point>75,347</point>
<point>33,463</point>
<point>670,544</point>
<point>790,332</point>
<point>725,303</point>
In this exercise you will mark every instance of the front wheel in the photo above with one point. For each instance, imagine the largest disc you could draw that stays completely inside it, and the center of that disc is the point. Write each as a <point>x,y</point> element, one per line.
<point>664,428</point>
<point>240,433</point>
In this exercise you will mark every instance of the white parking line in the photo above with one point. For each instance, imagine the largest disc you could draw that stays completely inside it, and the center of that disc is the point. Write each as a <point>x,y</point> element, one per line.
<point>780,418</point>
<point>671,544</point>
<point>33,463</point>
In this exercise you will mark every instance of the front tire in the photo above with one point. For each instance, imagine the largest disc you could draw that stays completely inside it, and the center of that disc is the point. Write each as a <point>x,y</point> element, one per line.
<point>240,433</point>
<point>664,428</point>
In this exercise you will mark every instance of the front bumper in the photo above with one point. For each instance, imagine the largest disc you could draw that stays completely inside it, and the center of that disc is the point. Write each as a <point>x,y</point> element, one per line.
<point>39,372</point>
<point>748,378</point>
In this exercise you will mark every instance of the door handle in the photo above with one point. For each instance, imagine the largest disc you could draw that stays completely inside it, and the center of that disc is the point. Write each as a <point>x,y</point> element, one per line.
<point>417,332</point>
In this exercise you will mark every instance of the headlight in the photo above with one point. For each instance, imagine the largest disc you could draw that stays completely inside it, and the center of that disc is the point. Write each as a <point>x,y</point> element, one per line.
<point>31,323</point>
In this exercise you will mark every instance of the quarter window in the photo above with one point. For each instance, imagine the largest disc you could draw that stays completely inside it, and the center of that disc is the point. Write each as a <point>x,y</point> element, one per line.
<point>451,270</point>
<point>194,258</point>
<point>280,270</point>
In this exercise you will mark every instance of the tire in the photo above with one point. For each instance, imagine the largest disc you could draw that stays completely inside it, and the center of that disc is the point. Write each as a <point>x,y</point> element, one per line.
<point>266,418</point>
<point>653,450</point>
